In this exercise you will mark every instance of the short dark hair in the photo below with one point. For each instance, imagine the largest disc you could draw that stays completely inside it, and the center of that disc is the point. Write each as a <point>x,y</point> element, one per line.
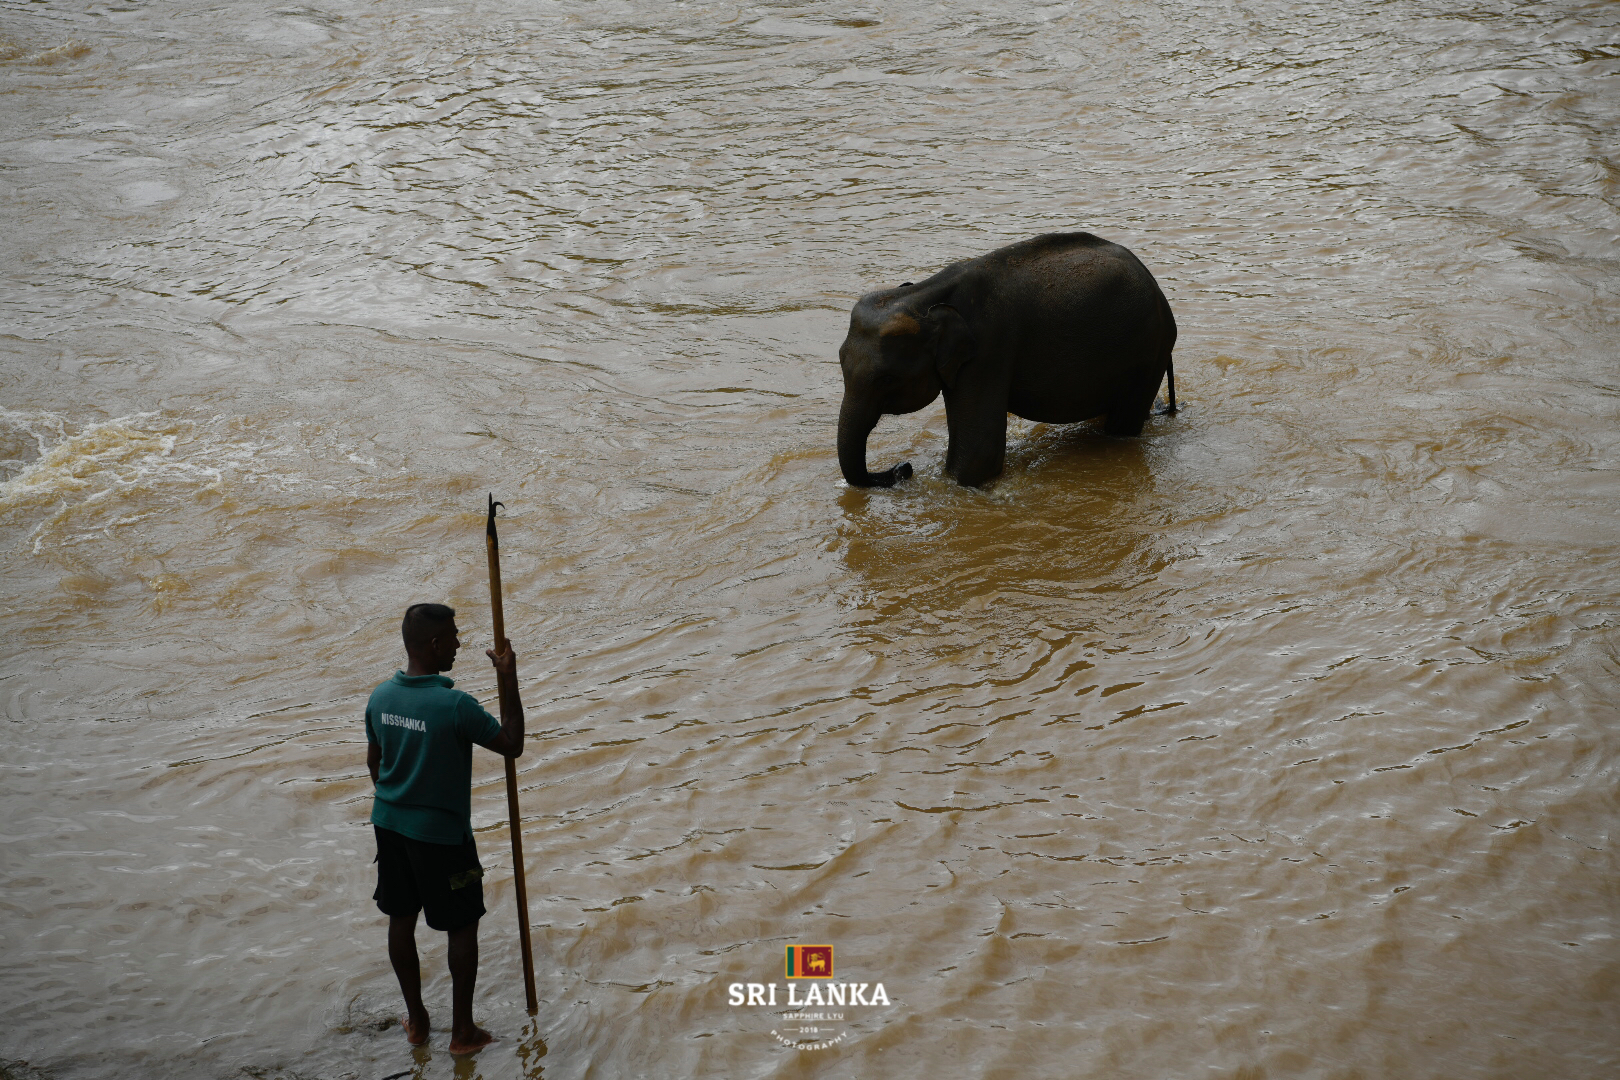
<point>424,622</point>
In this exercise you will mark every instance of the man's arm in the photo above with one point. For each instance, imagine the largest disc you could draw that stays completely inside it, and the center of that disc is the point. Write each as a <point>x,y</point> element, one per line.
<point>509,742</point>
<point>373,760</point>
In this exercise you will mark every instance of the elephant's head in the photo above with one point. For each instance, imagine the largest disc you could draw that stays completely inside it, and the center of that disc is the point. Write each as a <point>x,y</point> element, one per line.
<point>904,346</point>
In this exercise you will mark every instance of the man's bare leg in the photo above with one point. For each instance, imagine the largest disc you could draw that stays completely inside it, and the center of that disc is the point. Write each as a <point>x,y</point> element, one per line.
<point>408,970</point>
<point>465,1036</point>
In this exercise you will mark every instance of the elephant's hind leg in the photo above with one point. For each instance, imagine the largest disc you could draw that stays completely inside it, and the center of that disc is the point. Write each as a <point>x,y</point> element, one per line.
<point>1132,405</point>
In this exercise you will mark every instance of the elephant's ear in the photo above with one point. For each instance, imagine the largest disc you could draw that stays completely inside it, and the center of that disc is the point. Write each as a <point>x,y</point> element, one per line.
<point>953,343</point>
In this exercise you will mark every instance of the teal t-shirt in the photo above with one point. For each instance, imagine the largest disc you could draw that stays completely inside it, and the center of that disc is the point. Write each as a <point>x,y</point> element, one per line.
<point>426,730</point>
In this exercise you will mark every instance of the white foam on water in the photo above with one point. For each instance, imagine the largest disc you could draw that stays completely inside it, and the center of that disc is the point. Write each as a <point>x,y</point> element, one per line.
<point>98,458</point>
<point>18,53</point>
<point>147,193</point>
<point>119,467</point>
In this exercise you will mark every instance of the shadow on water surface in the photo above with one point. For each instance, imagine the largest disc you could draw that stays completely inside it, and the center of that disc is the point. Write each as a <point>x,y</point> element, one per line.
<point>1074,513</point>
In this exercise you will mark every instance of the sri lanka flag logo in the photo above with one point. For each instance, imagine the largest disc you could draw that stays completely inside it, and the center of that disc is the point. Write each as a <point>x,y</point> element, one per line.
<point>809,962</point>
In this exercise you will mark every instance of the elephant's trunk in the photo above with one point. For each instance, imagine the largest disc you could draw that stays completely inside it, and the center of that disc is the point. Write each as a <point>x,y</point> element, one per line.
<point>855,422</point>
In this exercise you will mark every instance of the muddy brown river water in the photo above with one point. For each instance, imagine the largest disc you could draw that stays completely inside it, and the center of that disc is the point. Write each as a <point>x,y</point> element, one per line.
<point>1280,742</point>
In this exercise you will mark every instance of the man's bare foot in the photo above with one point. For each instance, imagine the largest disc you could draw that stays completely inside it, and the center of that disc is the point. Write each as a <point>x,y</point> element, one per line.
<point>416,1031</point>
<point>471,1042</point>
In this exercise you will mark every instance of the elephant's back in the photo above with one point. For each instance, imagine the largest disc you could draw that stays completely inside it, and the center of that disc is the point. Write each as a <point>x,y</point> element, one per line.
<point>1084,321</point>
<point>1065,268</point>
<point>1071,287</point>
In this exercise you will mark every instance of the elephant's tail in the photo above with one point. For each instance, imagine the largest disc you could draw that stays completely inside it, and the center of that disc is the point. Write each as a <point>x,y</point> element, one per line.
<point>1169,358</point>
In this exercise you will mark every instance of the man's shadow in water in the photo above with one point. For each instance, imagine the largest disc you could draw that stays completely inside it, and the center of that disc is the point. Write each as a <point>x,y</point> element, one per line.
<point>1074,514</point>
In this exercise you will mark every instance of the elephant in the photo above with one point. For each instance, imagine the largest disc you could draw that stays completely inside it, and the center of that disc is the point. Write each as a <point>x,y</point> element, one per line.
<point>1056,329</point>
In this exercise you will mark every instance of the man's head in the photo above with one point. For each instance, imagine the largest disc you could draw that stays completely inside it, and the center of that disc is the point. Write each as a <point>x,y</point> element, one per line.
<point>431,638</point>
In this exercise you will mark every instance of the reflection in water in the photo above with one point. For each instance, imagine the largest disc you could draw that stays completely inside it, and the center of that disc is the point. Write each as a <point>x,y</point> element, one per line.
<point>1075,516</point>
<point>1275,741</point>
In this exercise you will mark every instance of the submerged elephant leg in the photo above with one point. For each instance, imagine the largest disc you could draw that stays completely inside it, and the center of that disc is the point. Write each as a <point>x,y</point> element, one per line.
<point>978,443</point>
<point>1133,405</point>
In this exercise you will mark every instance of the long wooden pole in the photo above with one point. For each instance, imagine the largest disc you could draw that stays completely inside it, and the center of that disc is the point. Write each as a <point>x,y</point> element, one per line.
<point>508,693</point>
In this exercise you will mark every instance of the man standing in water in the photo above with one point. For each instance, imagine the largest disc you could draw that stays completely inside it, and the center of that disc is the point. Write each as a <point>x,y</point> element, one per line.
<point>420,734</point>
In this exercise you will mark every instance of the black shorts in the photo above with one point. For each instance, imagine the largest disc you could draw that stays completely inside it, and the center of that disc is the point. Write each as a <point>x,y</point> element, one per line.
<point>443,880</point>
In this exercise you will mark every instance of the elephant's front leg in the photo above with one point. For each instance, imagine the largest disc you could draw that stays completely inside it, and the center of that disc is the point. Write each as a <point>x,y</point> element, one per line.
<point>977,421</point>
